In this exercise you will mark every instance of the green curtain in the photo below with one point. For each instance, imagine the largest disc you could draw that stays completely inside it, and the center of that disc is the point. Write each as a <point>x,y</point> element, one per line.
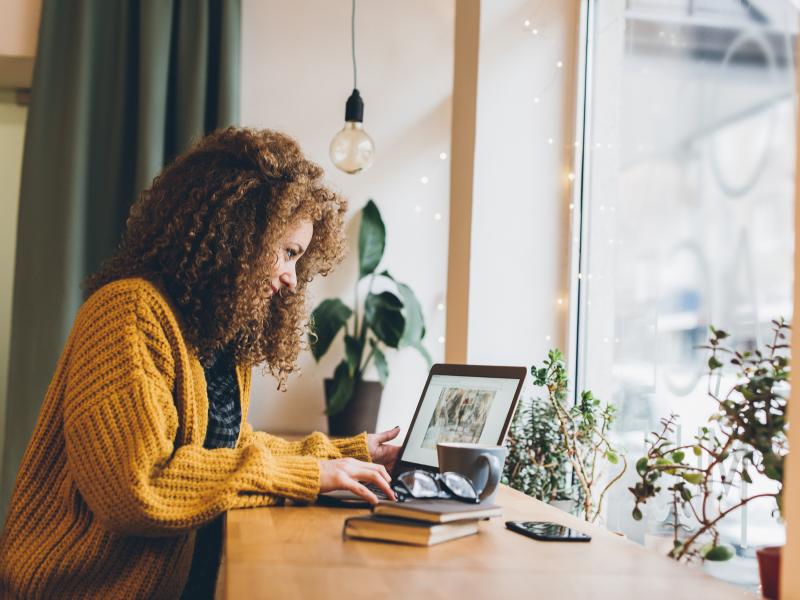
<point>120,87</point>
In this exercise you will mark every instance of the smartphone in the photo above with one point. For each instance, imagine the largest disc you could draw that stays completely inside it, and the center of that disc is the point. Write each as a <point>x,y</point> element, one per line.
<point>547,532</point>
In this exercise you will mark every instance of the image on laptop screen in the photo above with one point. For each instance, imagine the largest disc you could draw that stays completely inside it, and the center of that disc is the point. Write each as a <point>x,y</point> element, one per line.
<point>459,408</point>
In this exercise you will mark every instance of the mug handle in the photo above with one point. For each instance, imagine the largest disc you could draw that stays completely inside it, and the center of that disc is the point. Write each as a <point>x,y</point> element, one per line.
<point>493,478</point>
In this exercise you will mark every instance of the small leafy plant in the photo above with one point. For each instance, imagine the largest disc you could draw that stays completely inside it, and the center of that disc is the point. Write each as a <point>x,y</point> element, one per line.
<point>746,435</point>
<point>386,319</point>
<point>551,443</point>
<point>537,463</point>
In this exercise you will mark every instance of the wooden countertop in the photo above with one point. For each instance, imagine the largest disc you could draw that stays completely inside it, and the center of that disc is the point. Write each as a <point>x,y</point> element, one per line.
<point>298,552</point>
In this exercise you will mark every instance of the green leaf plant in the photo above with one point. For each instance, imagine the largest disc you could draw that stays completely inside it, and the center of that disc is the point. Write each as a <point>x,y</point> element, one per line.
<point>387,319</point>
<point>553,443</point>
<point>746,435</point>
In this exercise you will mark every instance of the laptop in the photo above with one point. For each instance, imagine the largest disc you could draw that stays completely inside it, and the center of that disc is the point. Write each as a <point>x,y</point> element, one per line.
<point>459,403</point>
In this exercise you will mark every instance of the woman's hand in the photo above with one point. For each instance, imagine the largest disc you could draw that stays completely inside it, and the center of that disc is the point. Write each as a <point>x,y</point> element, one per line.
<point>381,452</point>
<point>349,473</point>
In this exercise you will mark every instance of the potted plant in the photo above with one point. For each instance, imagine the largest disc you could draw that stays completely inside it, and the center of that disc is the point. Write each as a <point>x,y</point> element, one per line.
<point>387,319</point>
<point>747,435</point>
<point>537,463</point>
<point>557,451</point>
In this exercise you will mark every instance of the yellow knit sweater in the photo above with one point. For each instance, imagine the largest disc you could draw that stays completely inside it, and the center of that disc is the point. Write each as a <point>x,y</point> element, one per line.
<point>115,479</point>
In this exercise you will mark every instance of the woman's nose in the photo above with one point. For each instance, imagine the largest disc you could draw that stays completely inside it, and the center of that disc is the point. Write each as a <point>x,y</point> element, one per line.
<point>289,279</point>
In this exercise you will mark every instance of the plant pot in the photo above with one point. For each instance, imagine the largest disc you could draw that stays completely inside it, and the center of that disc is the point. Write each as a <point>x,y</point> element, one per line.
<point>769,570</point>
<point>360,413</point>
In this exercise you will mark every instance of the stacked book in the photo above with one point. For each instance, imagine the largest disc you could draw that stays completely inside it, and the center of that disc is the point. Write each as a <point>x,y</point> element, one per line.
<point>419,522</point>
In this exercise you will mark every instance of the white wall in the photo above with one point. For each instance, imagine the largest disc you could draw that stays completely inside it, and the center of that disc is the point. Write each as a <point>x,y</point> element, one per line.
<point>296,76</point>
<point>12,138</point>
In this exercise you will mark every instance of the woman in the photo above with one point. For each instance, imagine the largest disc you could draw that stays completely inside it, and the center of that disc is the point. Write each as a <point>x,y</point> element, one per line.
<point>142,441</point>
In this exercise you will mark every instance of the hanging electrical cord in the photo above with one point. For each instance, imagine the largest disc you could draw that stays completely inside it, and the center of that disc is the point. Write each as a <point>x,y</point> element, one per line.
<point>353,44</point>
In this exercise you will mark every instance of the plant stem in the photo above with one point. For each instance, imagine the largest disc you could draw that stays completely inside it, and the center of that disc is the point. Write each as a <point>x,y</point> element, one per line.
<point>710,524</point>
<point>366,362</point>
<point>608,487</point>
<point>355,310</point>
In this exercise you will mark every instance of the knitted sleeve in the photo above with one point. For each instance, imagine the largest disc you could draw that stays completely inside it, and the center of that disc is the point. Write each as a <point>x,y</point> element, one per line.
<point>120,423</point>
<point>317,444</point>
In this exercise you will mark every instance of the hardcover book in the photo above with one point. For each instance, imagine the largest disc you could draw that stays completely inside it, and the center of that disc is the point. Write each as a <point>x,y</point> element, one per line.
<point>418,533</point>
<point>436,511</point>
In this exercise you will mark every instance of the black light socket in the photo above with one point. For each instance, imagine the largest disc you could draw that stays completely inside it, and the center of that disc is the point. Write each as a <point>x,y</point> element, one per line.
<point>354,109</point>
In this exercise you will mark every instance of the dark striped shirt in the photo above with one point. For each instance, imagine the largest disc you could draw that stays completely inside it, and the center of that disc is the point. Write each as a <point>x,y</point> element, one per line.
<point>224,409</point>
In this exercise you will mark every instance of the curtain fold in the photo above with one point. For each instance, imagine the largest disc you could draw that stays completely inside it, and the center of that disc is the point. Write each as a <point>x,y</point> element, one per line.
<point>120,88</point>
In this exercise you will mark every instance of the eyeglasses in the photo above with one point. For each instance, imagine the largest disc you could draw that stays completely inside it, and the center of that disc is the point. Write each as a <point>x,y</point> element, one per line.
<point>424,485</point>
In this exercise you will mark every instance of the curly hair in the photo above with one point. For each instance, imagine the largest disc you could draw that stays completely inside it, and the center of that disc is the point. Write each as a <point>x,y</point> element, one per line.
<point>207,232</point>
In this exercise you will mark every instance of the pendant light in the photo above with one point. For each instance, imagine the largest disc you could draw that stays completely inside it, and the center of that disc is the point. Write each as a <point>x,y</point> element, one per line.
<point>352,150</point>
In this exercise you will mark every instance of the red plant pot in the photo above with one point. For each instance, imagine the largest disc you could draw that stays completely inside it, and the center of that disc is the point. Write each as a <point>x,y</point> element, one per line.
<point>769,570</point>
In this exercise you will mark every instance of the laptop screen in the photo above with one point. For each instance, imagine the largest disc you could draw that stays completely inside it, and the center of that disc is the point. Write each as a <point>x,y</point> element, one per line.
<point>459,408</point>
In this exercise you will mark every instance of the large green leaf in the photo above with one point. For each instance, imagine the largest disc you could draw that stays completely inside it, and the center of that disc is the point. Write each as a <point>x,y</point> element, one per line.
<point>415,323</point>
<point>328,318</point>
<point>384,314</point>
<point>342,389</point>
<point>371,239</point>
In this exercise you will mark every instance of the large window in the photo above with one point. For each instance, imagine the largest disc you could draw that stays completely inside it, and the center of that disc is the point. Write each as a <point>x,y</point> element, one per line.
<point>684,212</point>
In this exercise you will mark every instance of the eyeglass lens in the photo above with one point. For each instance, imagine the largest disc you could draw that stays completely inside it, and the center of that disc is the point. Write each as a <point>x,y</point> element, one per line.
<point>459,485</point>
<point>420,484</point>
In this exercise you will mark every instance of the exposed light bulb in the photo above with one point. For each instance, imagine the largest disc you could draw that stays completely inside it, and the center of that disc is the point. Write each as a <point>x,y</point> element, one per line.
<point>352,150</point>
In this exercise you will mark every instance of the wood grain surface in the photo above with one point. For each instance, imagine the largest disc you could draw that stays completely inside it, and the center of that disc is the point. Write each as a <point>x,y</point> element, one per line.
<point>298,552</point>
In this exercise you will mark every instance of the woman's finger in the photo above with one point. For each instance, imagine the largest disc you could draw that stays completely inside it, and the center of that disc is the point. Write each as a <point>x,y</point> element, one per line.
<point>375,467</point>
<point>381,471</point>
<point>376,478</point>
<point>361,490</point>
<point>389,434</point>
